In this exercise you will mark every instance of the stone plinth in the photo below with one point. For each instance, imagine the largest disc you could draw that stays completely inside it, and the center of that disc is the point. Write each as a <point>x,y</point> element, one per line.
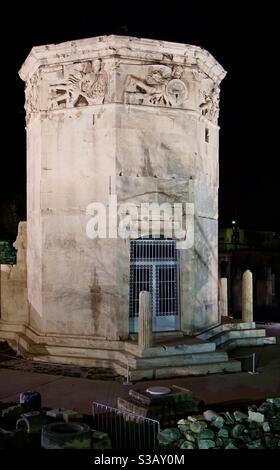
<point>166,408</point>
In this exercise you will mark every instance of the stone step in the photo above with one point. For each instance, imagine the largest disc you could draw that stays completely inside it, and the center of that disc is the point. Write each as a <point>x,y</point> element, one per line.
<point>213,331</point>
<point>181,371</point>
<point>72,341</point>
<point>10,328</point>
<point>179,360</point>
<point>160,335</point>
<point>232,344</point>
<point>26,344</point>
<point>80,361</point>
<point>139,374</point>
<point>166,351</point>
<point>224,336</point>
<point>87,354</point>
<point>176,365</point>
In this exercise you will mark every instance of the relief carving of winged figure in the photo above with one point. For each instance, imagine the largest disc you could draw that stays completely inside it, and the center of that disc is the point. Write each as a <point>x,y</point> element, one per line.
<point>84,87</point>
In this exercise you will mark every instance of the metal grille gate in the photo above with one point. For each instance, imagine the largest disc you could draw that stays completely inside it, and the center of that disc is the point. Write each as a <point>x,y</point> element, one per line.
<point>154,268</point>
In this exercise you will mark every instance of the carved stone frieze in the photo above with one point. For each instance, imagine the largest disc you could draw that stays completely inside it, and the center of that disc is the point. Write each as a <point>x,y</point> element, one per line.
<point>31,96</point>
<point>198,75</point>
<point>209,106</point>
<point>162,86</point>
<point>86,85</point>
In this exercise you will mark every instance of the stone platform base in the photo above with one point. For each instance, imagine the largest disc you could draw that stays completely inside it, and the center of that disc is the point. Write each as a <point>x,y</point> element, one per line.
<point>173,355</point>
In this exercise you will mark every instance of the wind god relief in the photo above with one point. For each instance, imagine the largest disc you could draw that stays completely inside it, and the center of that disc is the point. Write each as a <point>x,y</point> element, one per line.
<point>209,106</point>
<point>162,86</point>
<point>85,85</point>
<point>31,96</point>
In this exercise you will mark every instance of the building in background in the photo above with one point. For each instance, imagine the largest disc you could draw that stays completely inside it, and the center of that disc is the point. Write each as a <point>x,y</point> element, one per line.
<point>7,252</point>
<point>258,251</point>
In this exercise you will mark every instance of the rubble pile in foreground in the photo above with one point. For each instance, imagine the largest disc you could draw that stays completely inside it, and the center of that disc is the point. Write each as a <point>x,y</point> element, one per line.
<point>257,429</point>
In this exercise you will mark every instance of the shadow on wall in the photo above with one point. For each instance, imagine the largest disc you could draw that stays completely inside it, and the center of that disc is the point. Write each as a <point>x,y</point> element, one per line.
<point>207,275</point>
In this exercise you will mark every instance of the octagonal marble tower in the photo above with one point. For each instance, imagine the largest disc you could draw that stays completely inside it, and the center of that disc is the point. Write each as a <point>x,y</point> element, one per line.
<point>129,117</point>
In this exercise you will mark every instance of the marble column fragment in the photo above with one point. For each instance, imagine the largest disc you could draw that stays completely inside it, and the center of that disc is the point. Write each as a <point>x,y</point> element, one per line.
<point>247,296</point>
<point>145,328</point>
<point>223,298</point>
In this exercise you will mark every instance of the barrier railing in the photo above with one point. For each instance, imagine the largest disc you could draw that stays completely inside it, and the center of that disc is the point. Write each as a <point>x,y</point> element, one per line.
<point>126,430</point>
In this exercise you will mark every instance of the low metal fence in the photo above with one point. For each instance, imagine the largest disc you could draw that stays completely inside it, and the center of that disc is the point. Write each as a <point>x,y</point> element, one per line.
<point>127,430</point>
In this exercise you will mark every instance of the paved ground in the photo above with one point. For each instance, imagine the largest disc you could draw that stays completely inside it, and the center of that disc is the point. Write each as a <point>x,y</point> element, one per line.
<point>78,392</point>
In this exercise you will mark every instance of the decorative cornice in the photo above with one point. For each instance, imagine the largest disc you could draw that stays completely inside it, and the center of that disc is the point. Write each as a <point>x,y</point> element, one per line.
<point>126,48</point>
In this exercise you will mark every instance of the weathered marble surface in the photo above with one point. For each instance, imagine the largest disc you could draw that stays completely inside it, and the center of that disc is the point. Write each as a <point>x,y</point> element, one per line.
<point>120,116</point>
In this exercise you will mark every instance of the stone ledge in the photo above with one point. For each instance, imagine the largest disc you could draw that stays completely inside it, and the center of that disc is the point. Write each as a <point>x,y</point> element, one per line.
<point>120,46</point>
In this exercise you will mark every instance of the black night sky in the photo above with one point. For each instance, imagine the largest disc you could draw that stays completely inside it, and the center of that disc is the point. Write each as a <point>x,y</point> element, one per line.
<point>237,33</point>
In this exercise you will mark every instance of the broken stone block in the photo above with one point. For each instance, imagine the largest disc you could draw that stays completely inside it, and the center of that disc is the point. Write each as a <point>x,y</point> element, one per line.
<point>187,445</point>
<point>255,416</point>
<point>205,443</point>
<point>66,415</point>
<point>219,442</point>
<point>237,430</point>
<point>71,415</point>
<point>255,431</point>
<point>228,417</point>
<point>239,416</point>
<point>275,424</point>
<point>231,445</point>
<point>206,434</point>
<point>218,422</point>
<point>198,426</point>
<point>223,432</point>
<point>12,413</point>
<point>266,426</point>
<point>184,425</point>
<point>267,409</point>
<point>253,408</point>
<point>30,401</point>
<point>255,445</point>
<point>246,439</point>
<point>195,419</point>
<point>168,436</point>
<point>226,442</point>
<point>271,441</point>
<point>275,401</point>
<point>190,436</point>
<point>56,413</point>
<point>100,440</point>
<point>210,415</point>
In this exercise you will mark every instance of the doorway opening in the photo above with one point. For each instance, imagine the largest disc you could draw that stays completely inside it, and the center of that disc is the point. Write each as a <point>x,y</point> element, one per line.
<point>154,267</point>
